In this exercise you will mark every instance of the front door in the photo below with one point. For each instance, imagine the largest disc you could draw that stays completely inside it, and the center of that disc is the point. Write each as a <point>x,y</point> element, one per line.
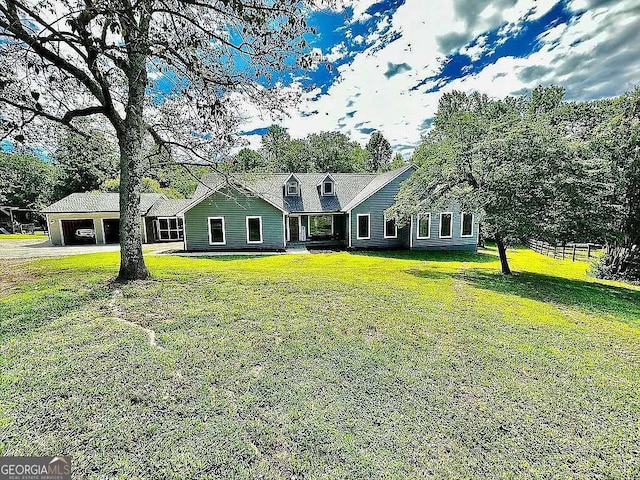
<point>294,230</point>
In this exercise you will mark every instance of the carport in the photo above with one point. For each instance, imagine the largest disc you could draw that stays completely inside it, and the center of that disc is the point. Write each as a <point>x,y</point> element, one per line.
<point>80,231</point>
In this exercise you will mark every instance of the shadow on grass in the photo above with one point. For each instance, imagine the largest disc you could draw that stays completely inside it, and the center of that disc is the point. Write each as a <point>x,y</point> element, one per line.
<point>429,274</point>
<point>431,256</point>
<point>594,297</point>
<point>220,258</point>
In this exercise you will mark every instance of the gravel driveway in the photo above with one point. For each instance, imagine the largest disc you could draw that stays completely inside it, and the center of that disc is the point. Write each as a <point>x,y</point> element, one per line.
<point>42,248</point>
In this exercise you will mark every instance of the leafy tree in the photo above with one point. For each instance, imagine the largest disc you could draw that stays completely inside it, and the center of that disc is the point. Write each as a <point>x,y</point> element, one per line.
<point>275,144</point>
<point>247,160</point>
<point>606,132</point>
<point>616,143</point>
<point>296,157</point>
<point>397,162</point>
<point>380,150</point>
<point>83,163</point>
<point>503,159</point>
<point>359,158</point>
<point>177,178</point>
<point>330,152</point>
<point>149,185</point>
<point>67,60</point>
<point>26,181</point>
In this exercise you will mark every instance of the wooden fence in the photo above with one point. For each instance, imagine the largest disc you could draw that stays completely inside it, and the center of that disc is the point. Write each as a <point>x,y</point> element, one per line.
<point>581,252</point>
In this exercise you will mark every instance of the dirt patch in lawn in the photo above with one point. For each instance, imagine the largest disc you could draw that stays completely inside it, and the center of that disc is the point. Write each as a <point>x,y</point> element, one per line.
<point>14,273</point>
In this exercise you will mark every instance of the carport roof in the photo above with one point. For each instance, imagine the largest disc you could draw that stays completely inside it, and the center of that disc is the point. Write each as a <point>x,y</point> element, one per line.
<point>99,202</point>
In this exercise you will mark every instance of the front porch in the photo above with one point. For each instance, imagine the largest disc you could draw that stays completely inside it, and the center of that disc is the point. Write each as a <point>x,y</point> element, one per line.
<point>316,231</point>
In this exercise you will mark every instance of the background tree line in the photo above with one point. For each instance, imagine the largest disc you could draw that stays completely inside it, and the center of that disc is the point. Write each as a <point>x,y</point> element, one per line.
<point>318,152</point>
<point>537,168</point>
<point>85,164</point>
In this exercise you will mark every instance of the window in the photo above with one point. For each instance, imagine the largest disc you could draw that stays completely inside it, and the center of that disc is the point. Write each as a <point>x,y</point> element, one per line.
<point>216,231</point>
<point>390,227</point>
<point>292,189</point>
<point>320,225</point>
<point>327,187</point>
<point>446,225</point>
<point>466,230</point>
<point>170,228</point>
<point>254,229</point>
<point>363,227</point>
<point>424,226</point>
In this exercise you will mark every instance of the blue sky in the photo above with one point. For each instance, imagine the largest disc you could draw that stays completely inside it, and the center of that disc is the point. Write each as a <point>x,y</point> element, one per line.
<point>391,60</point>
<point>386,63</point>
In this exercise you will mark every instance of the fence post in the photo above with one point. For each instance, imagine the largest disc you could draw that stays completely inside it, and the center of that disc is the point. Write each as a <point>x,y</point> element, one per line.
<point>555,251</point>
<point>588,250</point>
<point>573,256</point>
<point>563,247</point>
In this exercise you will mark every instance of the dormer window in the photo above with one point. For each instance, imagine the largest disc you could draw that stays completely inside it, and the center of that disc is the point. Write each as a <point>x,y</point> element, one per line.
<point>292,186</point>
<point>327,186</point>
<point>292,189</point>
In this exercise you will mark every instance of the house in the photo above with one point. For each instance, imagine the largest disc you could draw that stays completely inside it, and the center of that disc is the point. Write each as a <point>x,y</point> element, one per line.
<point>347,210</point>
<point>270,212</point>
<point>94,218</point>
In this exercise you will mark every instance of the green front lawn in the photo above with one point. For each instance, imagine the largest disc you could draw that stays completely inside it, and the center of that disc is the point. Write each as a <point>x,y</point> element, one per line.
<point>394,365</point>
<point>24,236</point>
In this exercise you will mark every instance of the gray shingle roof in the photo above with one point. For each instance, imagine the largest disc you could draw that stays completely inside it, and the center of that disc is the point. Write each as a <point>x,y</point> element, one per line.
<point>350,188</point>
<point>375,185</point>
<point>90,202</point>
<point>168,207</point>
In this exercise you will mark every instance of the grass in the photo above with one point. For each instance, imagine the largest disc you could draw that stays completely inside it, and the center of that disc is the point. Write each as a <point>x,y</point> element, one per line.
<point>24,236</point>
<point>388,365</point>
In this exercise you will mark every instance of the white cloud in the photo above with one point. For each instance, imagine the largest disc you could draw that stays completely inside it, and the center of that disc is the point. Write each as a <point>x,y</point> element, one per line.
<point>337,53</point>
<point>430,31</point>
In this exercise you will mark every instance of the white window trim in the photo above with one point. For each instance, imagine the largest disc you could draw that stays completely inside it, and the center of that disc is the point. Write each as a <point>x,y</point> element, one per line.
<point>462,224</point>
<point>384,228</point>
<point>297,187</point>
<point>177,229</point>
<point>184,231</point>
<point>224,231</point>
<point>253,217</point>
<point>324,191</point>
<point>450,226</point>
<point>368,237</point>
<point>423,215</point>
<point>411,232</point>
<point>319,215</point>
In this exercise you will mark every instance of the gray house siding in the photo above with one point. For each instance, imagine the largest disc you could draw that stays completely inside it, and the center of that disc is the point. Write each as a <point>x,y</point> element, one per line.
<point>375,207</point>
<point>234,207</point>
<point>456,242</point>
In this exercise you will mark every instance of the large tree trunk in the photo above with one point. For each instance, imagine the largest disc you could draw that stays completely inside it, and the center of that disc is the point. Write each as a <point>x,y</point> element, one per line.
<point>132,266</point>
<point>502,252</point>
